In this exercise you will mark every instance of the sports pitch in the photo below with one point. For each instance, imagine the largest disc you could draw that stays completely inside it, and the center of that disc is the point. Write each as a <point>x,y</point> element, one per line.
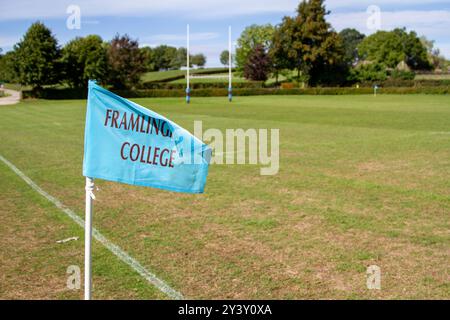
<point>362,181</point>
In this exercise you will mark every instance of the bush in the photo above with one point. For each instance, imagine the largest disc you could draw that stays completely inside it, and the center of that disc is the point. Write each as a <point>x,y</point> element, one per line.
<point>402,75</point>
<point>406,83</point>
<point>55,94</point>
<point>368,72</point>
<point>201,85</point>
<point>51,93</point>
<point>288,85</point>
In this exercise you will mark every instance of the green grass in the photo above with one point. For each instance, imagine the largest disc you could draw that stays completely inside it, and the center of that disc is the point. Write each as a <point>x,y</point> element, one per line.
<point>363,180</point>
<point>164,75</point>
<point>432,77</point>
<point>212,79</point>
<point>161,75</point>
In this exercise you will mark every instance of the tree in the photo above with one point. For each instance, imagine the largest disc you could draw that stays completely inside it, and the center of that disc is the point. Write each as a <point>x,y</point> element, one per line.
<point>314,48</point>
<point>251,37</point>
<point>224,57</point>
<point>126,62</point>
<point>163,56</point>
<point>149,58</point>
<point>351,38</point>
<point>199,60</point>
<point>258,64</point>
<point>179,60</point>
<point>393,47</point>
<point>35,57</point>
<point>368,72</point>
<point>435,58</point>
<point>278,51</point>
<point>7,71</point>
<point>84,59</point>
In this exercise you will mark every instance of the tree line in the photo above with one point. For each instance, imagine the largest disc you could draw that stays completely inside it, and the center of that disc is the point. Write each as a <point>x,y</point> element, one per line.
<point>303,48</point>
<point>38,60</point>
<point>307,45</point>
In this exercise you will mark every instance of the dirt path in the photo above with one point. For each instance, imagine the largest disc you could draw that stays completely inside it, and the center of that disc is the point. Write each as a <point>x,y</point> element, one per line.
<point>12,98</point>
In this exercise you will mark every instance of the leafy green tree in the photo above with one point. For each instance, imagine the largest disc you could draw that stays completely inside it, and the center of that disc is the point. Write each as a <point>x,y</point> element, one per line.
<point>163,56</point>
<point>258,64</point>
<point>149,58</point>
<point>84,59</point>
<point>199,60</point>
<point>278,51</point>
<point>126,62</point>
<point>351,38</point>
<point>7,71</point>
<point>251,37</point>
<point>368,72</point>
<point>392,47</point>
<point>224,57</point>
<point>35,57</point>
<point>313,46</point>
<point>179,60</point>
<point>402,74</point>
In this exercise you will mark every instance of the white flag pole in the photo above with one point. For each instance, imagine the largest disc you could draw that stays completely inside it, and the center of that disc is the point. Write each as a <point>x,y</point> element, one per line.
<point>188,90</point>
<point>88,239</point>
<point>230,94</point>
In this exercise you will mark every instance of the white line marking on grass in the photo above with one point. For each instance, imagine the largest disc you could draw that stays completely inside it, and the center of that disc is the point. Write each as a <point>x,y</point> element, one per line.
<point>116,250</point>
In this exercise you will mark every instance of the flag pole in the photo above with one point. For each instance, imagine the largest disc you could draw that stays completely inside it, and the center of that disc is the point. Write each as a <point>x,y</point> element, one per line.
<point>88,239</point>
<point>230,90</point>
<point>188,90</point>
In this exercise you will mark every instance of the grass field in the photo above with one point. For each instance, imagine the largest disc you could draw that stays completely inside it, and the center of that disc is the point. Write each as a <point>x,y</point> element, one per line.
<point>212,79</point>
<point>362,181</point>
<point>432,77</point>
<point>164,75</point>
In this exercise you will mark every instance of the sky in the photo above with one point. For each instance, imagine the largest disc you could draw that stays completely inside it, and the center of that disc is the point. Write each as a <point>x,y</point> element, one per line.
<point>164,21</point>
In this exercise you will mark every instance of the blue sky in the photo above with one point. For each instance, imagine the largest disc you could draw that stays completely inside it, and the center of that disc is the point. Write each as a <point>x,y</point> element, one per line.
<point>164,21</point>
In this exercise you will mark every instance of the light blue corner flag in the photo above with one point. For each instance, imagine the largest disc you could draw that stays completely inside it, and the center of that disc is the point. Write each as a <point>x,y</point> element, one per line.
<point>128,143</point>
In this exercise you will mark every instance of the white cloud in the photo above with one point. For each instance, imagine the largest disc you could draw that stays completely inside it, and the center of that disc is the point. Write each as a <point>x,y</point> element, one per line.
<point>434,23</point>
<point>349,4</point>
<point>202,9</point>
<point>345,13</point>
<point>205,9</point>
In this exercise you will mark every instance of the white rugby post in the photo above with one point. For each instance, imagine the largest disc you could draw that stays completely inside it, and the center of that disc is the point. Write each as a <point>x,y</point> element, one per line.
<point>230,92</point>
<point>188,90</point>
<point>88,239</point>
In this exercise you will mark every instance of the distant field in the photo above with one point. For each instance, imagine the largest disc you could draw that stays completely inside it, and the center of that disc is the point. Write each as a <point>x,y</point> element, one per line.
<point>432,77</point>
<point>15,86</point>
<point>211,79</point>
<point>164,75</point>
<point>363,181</point>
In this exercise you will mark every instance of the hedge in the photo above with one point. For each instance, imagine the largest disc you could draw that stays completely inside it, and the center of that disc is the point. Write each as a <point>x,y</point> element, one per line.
<point>204,85</point>
<point>147,93</point>
<point>407,83</point>
<point>55,94</point>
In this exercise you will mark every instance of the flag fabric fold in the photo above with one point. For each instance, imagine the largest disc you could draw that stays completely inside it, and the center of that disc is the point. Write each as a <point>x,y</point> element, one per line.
<point>128,143</point>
